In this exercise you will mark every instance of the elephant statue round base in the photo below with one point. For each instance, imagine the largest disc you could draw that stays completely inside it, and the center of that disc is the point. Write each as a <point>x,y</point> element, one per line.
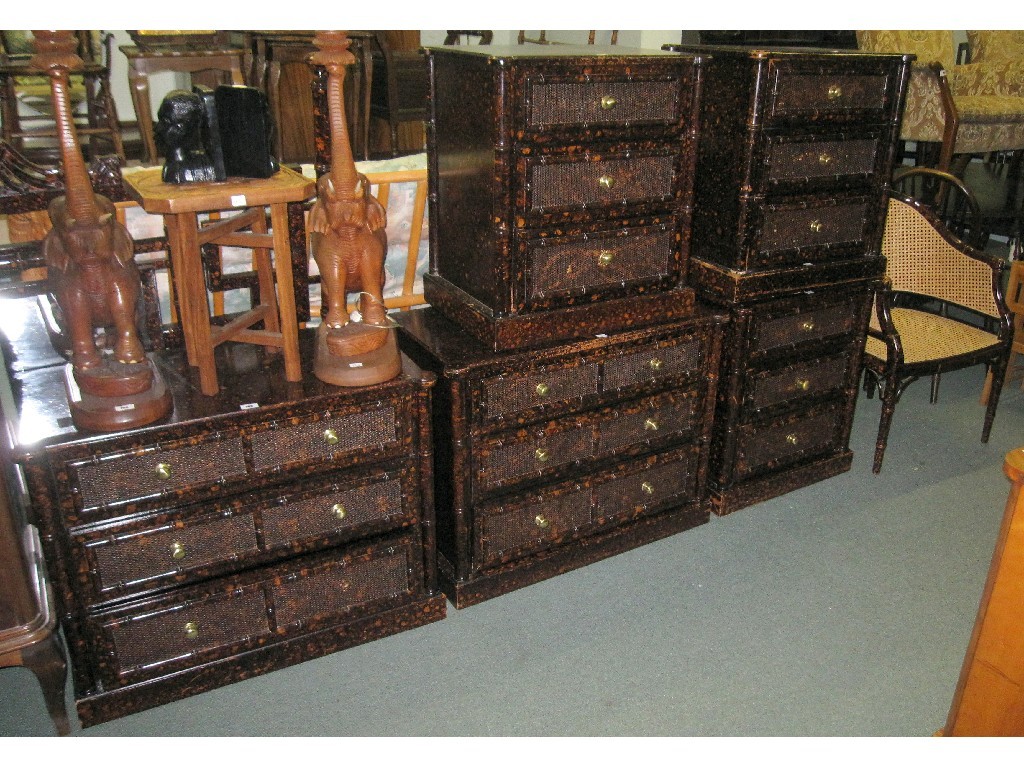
<point>103,401</point>
<point>357,367</point>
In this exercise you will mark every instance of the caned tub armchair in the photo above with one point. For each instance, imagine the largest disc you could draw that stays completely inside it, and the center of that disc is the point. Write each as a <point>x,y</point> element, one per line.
<point>957,316</point>
<point>964,109</point>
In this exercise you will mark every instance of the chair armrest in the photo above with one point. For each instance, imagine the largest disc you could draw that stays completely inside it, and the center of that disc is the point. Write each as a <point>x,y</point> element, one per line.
<point>930,111</point>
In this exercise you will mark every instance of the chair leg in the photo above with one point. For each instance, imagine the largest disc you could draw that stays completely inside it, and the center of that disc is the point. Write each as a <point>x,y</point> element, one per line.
<point>998,371</point>
<point>889,396</point>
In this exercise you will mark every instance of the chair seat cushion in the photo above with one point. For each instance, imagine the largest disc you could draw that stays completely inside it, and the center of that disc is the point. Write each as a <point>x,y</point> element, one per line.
<point>990,109</point>
<point>929,337</point>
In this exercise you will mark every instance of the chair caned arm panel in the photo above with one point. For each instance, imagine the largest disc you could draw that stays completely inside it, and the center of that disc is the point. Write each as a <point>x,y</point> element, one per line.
<point>921,259</point>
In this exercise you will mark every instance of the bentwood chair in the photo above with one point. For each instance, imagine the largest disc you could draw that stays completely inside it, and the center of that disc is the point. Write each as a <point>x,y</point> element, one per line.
<point>958,317</point>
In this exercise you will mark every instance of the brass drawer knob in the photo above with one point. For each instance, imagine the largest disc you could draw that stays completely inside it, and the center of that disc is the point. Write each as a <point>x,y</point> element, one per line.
<point>791,439</point>
<point>650,425</point>
<point>339,511</point>
<point>816,226</point>
<point>647,488</point>
<point>330,437</point>
<point>542,454</point>
<point>163,471</point>
<point>834,92</point>
<point>609,102</point>
<point>542,389</point>
<point>178,550</point>
<point>606,182</point>
<point>656,363</point>
<point>824,158</point>
<point>803,384</point>
<point>191,630</point>
<point>605,259</point>
<point>541,521</point>
<point>807,325</point>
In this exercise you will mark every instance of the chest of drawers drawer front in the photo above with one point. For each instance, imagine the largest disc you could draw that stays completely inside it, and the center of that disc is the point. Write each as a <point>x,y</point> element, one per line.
<point>647,487</point>
<point>804,231</point>
<point>309,442</point>
<point>796,94</point>
<point>135,558</point>
<point>337,588</point>
<point>534,453</point>
<point>615,102</point>
<point>190,629</point>
<point>652,419</point>
<point>506,395</point>
<point>571,184</point>
<point>765,446</point>
<point>505,532</point>
<point>680,357</point>
<point>805,379</point>
<point>806,325</point>
<point>332,513</point>
<point>811,159</point>
<point>124,478</point>
<point>605,263</point>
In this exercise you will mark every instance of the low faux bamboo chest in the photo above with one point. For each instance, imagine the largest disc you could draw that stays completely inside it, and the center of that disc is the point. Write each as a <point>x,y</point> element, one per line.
<point>551,459</point>
<point>274,522</point>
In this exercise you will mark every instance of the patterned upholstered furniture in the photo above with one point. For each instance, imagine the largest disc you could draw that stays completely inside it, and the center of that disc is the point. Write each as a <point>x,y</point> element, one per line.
<point>994,45</point>
<point>966,109</point>
<point>966,322</point>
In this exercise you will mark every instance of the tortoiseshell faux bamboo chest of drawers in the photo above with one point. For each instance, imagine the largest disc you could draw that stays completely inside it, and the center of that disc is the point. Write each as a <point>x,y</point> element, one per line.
<point>794,157</point>
<point>549,459</point>
<point>560,181</point>
<point>272,523</point>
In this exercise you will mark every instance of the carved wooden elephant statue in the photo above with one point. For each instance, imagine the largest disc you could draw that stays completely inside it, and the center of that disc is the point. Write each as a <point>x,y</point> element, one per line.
<point>349,244</point>
<point>92,269</point>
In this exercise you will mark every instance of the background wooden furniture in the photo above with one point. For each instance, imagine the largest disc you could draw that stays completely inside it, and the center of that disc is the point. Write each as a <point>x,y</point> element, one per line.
<point>143,62</point>
<point>794,158</point>
<point>398,90</point>
<point>550,459</point>
<point>90,84</point>
<point>180,205</point>
<point>561,189</point>
<point>1015,303</point>
<point>275,522</point>
<point>989,697</point>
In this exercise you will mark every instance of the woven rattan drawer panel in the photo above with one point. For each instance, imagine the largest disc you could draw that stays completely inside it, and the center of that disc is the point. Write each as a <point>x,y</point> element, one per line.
<point>314,441</point>
<point>507,395</point>
<point>613,102</point>
<point>119,479</point>
<point>802,160</point>
<point>663,417</point>
<point>531,454</point>
<point>761,446</point>
<point>562,267</point>
<point>338,587</point>
<point>800,94</point>
<point>507,531</point>
<point>805,379</point>
<point>788,228</point>
<point>170,550</point>
<point>189,629</point>
<point>553,185</point>
<point>679,357</point>
<point>812,324</point>
<point>647,486</point>
<point>330,513</point>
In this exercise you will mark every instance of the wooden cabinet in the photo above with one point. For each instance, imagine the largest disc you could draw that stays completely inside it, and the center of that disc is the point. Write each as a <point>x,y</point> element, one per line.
<point>561,183</point>
<point>553,458</point>
<point>271,523</point>
<point>794,158</point>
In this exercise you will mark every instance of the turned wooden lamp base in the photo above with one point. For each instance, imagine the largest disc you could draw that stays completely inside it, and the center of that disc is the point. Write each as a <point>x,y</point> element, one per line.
<point>111,412</point>
<point>360,368</point>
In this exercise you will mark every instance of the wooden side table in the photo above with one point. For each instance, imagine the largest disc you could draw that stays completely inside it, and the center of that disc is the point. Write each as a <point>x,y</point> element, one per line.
<point>180,205</point>
<point>144,62</point>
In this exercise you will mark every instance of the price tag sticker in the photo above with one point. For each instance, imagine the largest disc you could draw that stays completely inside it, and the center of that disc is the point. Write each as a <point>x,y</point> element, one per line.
<point>248,406</point>
<point>125,407</point>
<point>355,365</point>
<point>238,200</point>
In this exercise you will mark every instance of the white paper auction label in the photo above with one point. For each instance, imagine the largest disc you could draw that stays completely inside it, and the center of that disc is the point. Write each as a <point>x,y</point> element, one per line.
<point>238,200</point>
